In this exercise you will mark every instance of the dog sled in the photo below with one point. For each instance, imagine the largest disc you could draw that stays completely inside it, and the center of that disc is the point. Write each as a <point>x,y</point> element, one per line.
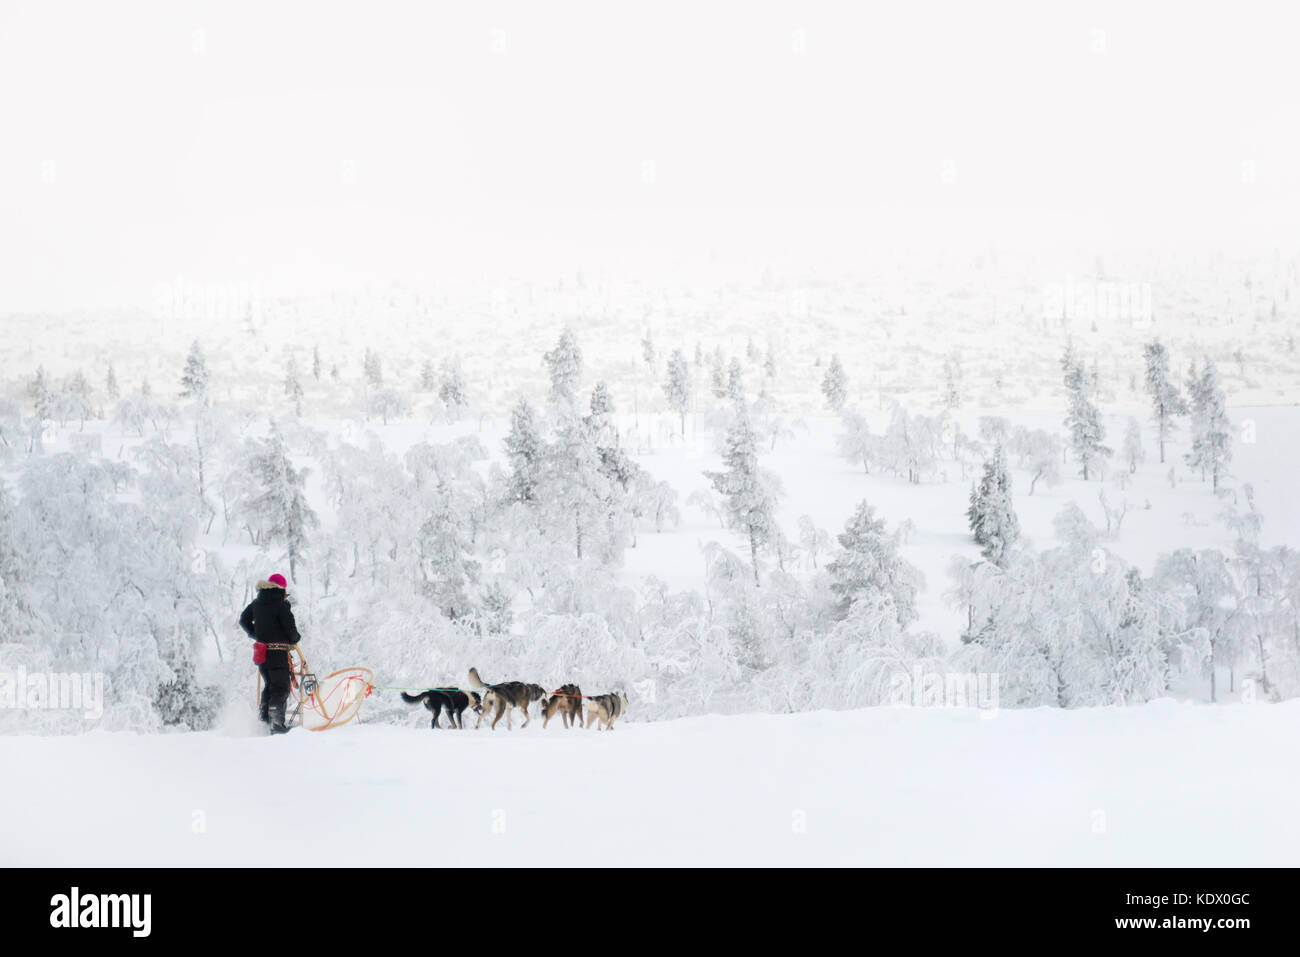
<point>320,704</point>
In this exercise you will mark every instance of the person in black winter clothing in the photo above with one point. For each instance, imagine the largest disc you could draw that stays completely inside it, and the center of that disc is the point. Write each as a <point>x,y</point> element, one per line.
<point>269,619</point>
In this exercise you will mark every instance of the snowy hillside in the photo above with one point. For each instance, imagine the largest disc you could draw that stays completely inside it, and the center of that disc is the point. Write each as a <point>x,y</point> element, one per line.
<point>1156,785</point>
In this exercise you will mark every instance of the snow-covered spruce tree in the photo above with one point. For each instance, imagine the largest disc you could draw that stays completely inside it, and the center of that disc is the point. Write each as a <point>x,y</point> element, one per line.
<point>991,516</point>
<point>282,505</point>
<point>952,381</point>
<point>769,362</point>
<point>315,363</point>
<point>110,384</point>
<point>677,387</point>
<point>648,355</point>
<point>1084,421</point>
<point>1133,453</point>
<point>196,378</point>
<point>444,549</point>
<point>718,374</point>
<point>1211,436</point>
<point>525,453</point>
<point>451,389</point>
<point>577,491</point>
<point>868,564</point>
<point>835,385</point>
<point>750,491</point>
<point>428,377</point>
<point>564,366</point>
<point>77,394</point>
<point>1166,402</point>
<point>41,390</point>
<point>293,385</point>
<point>373,369</point>
<point>735,382</point>
<point>602,404</point>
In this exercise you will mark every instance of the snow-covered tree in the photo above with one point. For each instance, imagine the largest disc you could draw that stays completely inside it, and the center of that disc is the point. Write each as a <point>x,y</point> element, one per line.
<point>564,366</point>
<point>1211,433</point>
<point>1084,420</point>
<point>196,378</point>
<point>315,363</point>
<point>750,491</point>
<point>991,515</point>
<point>388,402</point>
<point>868,564</point>
<point>909,446</point>
<point>677,387</point>
<point>769,362</point>
<point>451,389</point>
<point>718,374</point>
<point>282,506</point>
<point>1209,606</point>
<point>735,382</point>
<point>373,369</point>
<point>1133,452</point>
<point>855,441</point>
<point>952,381</point>
<point>602,402</point>
<point>1065,627</point>
<point>1270,628</point>
<point>525,452</point>
<point>293,385</point>
<point>76,398</point>
<point>41,389</point>
<point>1166,402</point>
<point>110,384</point>
<point>428,377</point>
<point>835,385</point>
<point>813,540</point>
<point>1039,453</point>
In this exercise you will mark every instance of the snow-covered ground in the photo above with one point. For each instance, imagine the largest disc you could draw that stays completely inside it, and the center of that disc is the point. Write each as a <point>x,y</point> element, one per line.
<point>1163,784</point>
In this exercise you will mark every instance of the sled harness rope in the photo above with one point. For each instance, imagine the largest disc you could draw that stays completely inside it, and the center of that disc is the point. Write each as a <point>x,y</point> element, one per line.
<point>334,700</point>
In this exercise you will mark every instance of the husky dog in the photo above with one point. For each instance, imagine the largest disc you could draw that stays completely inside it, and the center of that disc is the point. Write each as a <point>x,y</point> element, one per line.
<point>567,702</point>
<point>453,700</point>
<point>505,697</point>
<point>603,709</point>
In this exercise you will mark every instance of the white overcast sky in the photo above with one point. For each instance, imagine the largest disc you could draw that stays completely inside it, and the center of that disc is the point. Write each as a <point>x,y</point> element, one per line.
<point>306,144</point>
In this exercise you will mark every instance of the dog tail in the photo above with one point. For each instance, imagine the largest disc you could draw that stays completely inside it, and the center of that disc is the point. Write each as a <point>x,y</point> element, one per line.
<point>475,681</point>
<point>414,698</point>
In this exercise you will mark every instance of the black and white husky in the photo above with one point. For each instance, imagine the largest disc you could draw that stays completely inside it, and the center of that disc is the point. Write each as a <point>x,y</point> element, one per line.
<point>452,700</point>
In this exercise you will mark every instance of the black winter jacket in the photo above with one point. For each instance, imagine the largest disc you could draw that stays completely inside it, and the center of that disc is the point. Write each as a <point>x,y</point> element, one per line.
<point>268,618</point>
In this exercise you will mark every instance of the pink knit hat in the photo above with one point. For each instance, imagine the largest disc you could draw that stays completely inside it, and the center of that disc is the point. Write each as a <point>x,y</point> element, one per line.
<point>278,579</point>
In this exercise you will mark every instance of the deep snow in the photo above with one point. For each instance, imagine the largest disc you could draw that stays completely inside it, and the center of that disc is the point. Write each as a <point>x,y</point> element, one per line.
<point>1164,784</point>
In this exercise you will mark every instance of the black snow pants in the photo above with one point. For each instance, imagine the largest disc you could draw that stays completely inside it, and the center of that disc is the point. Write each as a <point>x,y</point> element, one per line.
<point>275,689</point>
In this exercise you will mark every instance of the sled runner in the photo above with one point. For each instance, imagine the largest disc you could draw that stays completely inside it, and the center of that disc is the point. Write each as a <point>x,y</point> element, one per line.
<point>328,702</point>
